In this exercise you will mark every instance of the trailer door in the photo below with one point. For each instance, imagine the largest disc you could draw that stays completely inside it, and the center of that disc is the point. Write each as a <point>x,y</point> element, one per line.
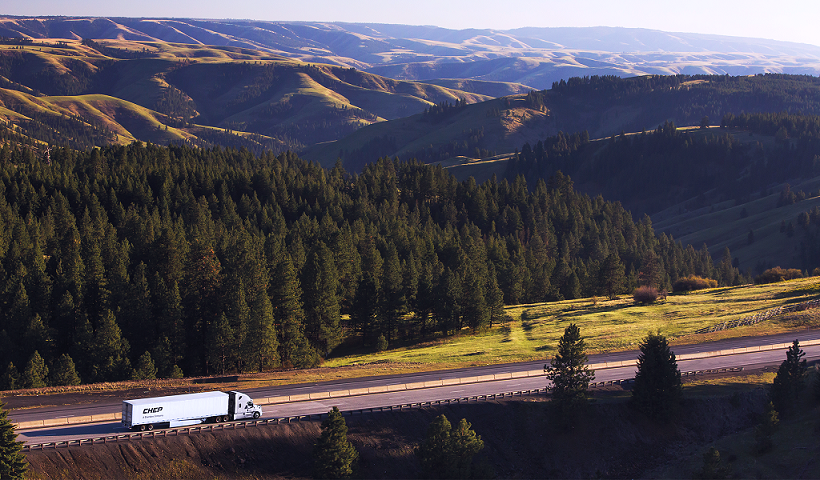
<point>127,408</point>
<point>232,405</point>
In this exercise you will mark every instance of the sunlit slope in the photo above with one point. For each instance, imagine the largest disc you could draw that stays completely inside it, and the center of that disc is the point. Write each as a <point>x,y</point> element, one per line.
<point>230,88</point>
<point>530,56</point>
<point>503,125</point>
<point>123,121</point>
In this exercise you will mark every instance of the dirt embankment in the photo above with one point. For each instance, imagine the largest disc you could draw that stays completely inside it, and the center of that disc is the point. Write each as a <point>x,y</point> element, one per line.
<point>520,442</point>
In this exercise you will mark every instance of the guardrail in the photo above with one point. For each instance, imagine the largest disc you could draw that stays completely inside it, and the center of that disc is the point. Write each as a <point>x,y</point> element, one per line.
<point>109,417</point>
<point>761,316</point>
<point>198,429</point>
<point>683,374</point>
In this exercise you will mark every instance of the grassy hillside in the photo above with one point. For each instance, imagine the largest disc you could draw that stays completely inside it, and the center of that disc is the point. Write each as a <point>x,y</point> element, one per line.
<point>528,56</point>
<point>288,102</point>
<point>602,106</point>
<point>471,131</point>
<point>728,224</point>
<point>532,331</point>
<point>490,88</point>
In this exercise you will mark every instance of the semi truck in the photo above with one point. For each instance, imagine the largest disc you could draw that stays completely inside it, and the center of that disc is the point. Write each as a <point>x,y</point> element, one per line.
<point>188,409</point>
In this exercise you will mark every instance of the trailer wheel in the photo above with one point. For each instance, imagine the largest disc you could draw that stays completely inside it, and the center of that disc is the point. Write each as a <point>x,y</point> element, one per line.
<point>224,418</point>
<point>150,426</point>
<point>142,428</point>
<point>218,419</point>
<point>256,415</point>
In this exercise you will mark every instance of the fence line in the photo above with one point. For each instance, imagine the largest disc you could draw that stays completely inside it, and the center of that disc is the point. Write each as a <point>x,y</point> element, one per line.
<point>761,316</point>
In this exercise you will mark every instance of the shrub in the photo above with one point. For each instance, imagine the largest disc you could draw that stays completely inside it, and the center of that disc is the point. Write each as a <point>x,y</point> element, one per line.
<point>763,432</point>
<point>381,343</point>
<point>712,466</point>
<point>645,295</point>
<point>778,274</point>
<point>693,282</point>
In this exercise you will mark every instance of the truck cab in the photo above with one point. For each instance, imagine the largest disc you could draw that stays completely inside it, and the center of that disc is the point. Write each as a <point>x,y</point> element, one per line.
<point>241,406</point>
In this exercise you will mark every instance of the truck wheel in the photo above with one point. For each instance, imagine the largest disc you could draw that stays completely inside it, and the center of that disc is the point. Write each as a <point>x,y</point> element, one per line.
<point>218,419</point>
<point>150,426</point>
<point>224,418</point>
<point>142,428</point>
<point>256,415</point>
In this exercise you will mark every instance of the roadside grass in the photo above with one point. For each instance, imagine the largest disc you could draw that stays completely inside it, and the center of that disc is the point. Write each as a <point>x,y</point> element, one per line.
<point>607,326</point>
<point>725,385</point>
<point>708,386</point>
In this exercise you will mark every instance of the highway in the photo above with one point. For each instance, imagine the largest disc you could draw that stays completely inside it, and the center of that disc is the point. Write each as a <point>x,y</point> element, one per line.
<point>108,407</point>
<point>386,399</point>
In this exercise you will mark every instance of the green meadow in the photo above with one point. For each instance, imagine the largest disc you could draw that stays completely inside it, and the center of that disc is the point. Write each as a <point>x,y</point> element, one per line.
<point>531,332</point>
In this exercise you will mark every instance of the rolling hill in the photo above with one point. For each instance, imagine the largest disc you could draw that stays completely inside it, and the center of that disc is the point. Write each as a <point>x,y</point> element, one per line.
<point>530,56</point>
<point>164,92</point>
<point>602,106</point>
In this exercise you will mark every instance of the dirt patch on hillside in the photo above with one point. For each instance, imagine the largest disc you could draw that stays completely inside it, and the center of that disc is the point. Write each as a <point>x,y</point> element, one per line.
<point>521,441</point>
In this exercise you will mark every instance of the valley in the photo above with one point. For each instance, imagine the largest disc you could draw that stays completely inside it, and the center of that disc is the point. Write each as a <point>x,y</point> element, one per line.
<point>295,208</point>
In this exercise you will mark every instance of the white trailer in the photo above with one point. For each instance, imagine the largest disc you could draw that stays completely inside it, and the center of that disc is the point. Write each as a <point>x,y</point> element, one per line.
<point>187,409</point>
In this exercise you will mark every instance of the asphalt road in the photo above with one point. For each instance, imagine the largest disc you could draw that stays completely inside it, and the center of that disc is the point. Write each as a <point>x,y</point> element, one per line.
<point>747,360</point>
<point>109,406</point>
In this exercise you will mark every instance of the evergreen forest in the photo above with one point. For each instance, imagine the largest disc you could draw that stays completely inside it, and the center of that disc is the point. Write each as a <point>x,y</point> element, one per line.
<point>139,260</point>
<point>651,171</point>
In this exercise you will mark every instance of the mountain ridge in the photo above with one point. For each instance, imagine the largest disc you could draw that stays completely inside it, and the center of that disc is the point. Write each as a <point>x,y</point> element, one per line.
<point>532,56</point>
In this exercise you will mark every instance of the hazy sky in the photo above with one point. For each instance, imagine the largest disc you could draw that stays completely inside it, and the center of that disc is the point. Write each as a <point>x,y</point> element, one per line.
<point>787,20</point>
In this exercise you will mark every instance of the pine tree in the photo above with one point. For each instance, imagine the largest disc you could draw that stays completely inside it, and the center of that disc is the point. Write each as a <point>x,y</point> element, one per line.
<point>650,273</point>
<point>145,368</point>
<point>789,382</point>
<point>476,314</point>
<point>294,348</point>
<point>13,463</point>
<point>393,301</point>
<point>434,452</point>
<point>35,374</point>
<point>465,444</point>
<point>201,300</point>
<point>10,379</point>
<point>568,371</point>
<point>612,276</point>
<point>495,298</point>
<point>321,303</point>
<point>220,344</point>
<point>657,390</point>
<point>97,293</point>
<point>365,308</point>
<point>64,372</point>
<point>448,452</point>
<point>333,455</point>
<point>239,318</point>
<point>37,337</point>
<point>109,351</point>
<point>713,468</point>
<point>262,333</point>
<point>171,318</point>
